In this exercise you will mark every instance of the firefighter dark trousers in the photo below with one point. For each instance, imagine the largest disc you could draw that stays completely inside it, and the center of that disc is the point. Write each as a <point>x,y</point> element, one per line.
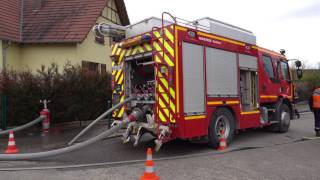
<point>316,113</point>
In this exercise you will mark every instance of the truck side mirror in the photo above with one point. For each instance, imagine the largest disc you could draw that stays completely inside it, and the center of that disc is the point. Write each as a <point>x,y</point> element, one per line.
<point>299,73</point>
<point>298,64</point>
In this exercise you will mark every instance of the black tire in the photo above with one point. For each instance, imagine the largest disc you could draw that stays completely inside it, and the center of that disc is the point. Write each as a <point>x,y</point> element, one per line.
<point>282,116</point>
<point>221,114</point>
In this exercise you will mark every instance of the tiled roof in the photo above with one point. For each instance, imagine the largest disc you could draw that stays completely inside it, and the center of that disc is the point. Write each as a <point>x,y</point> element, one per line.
<point>10,20</point>
<point>56,21</point>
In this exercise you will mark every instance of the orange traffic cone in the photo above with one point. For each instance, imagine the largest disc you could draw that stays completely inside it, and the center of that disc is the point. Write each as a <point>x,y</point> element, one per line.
<point>11,144</point>
<point>149,173</point>
<point>223,142</point>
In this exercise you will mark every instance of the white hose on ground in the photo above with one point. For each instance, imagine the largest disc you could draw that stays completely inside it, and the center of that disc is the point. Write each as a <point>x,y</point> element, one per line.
<point>100,118</point>
<point>19,128</point>
<point>29,156</point>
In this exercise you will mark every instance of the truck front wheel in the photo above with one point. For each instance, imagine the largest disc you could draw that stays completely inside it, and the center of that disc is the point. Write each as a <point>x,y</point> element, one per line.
<point>282,116</point>
<point>222,119</point>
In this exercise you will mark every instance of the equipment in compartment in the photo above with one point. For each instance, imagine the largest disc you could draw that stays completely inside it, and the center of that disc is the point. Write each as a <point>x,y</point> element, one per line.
<point>248,90</point>
<point>140,79</point>
<point>248,82</point>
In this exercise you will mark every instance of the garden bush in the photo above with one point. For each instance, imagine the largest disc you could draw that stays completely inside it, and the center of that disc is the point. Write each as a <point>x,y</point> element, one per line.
<point>76,94</point>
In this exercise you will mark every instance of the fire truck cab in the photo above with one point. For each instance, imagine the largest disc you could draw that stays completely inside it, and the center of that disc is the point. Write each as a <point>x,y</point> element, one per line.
<point>194,79</point>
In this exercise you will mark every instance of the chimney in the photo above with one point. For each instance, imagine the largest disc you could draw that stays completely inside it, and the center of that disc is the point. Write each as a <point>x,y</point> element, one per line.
<point>37,4</point>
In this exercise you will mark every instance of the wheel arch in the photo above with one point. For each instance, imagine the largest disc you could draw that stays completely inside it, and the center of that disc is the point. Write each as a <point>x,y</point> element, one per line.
<point>229,108</point>
<point>286,101</point>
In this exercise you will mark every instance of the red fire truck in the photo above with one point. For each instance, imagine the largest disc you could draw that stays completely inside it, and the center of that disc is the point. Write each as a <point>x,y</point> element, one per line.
<point>193,79</point>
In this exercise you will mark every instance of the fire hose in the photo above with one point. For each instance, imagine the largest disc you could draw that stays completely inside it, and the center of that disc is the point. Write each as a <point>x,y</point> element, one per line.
<point>29,156</point>
<point>19,128</point>
<point>100,118</point>
<point>135,114</point>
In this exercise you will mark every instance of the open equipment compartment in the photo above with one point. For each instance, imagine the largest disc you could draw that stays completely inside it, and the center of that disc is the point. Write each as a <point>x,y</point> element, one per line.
<point>140,78</point>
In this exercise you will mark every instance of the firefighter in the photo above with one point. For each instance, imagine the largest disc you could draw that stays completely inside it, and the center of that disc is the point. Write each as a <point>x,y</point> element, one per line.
<point>314,104</point>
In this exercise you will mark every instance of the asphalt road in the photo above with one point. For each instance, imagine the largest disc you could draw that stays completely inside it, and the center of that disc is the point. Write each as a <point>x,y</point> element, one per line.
<point>279,156</point>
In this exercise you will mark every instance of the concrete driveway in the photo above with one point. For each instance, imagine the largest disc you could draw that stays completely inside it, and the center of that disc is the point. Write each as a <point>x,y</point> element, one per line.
<point>264,155</point>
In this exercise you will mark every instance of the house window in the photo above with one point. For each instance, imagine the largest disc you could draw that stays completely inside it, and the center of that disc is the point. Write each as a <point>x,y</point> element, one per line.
<point>94,67</point>
<point>90,66</point>
<point>112,13</point>
<point>103,68</point>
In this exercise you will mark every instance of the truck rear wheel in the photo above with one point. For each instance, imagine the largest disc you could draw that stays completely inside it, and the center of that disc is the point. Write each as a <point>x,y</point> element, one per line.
<point>221,119</point>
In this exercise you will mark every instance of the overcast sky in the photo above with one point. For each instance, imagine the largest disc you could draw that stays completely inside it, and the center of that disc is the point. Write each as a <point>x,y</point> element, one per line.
<point>293,25</point>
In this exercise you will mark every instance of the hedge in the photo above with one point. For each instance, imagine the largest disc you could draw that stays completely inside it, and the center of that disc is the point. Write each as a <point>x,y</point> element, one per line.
<point>76,94</point>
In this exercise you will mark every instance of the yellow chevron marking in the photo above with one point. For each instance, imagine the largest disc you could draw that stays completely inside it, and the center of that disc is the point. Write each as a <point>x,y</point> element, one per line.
<point>221,38</point>
<point>121,112</point>
<point>121,79</point>
<point>158,60</point>
<point>162,118</point>
<point>165,83</point>
<point>140,49</point>
<point>173,94</point>
<point>156,45</point>
<point>165,96</point>
<point>168,34</point>
<point>134,52</point>
<point>113,71</point>
<point>162,105</point>
<point>148,47</point>
<point>121,56</point>
<point>194,117</point>
<point>129,52</point>
<point>169,48</point>
<point>173,107</point>
<point>118,51</point>
<point>168,60</point>
<point>157,34</point>
<point>114,49</point>
<point>250,112</point>
<point>118,75</point>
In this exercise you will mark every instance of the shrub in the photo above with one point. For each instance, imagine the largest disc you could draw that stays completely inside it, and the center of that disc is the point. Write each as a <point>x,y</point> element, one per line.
<point>75,94</point>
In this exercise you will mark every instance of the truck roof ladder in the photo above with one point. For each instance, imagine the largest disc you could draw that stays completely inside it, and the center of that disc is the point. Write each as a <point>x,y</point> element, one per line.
<point>160,68</point>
